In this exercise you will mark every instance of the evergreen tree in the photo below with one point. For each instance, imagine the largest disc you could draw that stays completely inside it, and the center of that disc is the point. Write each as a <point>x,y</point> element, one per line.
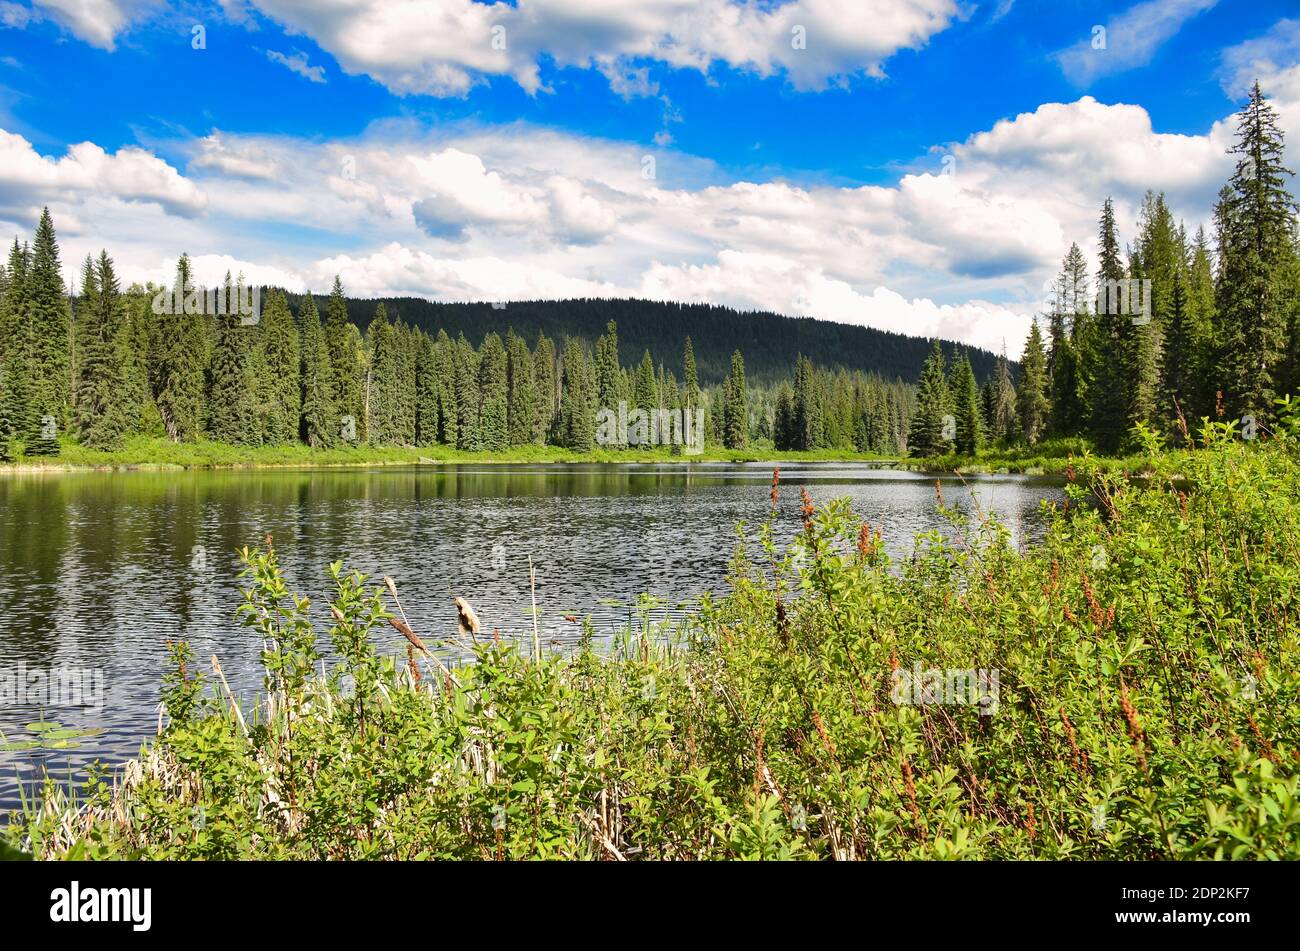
<point>1064,371</point>
<point>445,362</point>
<point>521,381</point>
<point>547,387</point>
<point>319,426</point>
<point>735,417</point>
<point>277,362</point>
<point>933,403</point>
<point>969,437</point>
<point>179,350</point>
<point>1256,249</point>
<point>381,393</point>
<point>232,382</point>
<point>101,404</point>
<point>343,341</point>
<point>16,416</point>
<point>49,329</point>
<point>1109,394</point>
<point>576,426</point>
<point>467,396</point>
<point>1006,412</point>
<point>493,387</point>
<point>1031,395</point>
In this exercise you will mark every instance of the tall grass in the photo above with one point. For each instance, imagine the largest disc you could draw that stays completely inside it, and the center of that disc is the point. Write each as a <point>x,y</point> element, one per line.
<point>1146,705</point>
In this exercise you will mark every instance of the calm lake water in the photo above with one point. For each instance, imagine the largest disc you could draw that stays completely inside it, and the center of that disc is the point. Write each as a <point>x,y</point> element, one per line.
<point>99,569</point>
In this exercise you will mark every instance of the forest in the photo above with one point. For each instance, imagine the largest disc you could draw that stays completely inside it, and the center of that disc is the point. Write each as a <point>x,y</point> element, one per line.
<point>1170,330</point>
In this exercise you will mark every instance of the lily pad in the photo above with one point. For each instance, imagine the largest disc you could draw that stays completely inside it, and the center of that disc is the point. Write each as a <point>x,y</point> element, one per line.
<point>93,731</point>
<point>61,745</point>
<point>64,734</point>
<point>19,746</point>
<point>44,726</point>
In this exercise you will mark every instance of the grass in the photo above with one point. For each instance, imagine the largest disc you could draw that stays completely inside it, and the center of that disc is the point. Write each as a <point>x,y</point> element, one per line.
<point>146,452</point>
<point>1137,696</point>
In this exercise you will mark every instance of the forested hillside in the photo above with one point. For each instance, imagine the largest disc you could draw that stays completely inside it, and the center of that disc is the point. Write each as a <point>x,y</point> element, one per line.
<point>770,342</point>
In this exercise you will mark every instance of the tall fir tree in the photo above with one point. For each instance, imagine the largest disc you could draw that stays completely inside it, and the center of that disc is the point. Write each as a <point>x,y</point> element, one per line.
<point>521,381</point>
<point>232,382</point>
<point>933,402</point>
<point>547,386</point>
<point>343,342</point>
<point>319,424</point>
<point>277,362</point>
<point>1031,395</point>
<point>178,357</point>
<point>735,414</point>
<point>1256,250</point>
<point>969,435</point>
<point>103,389</point>
<point>493,386</point>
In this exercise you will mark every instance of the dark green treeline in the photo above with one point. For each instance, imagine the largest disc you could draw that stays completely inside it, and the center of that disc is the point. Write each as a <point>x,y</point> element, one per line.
<point>1176,327</point>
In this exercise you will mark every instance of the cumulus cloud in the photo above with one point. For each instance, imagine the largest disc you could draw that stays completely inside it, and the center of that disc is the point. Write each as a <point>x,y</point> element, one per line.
<point>131,174</point>
<point>97,22</point>
<point>1131,39</point>
<point>443,47</point>
<point>962,247</point>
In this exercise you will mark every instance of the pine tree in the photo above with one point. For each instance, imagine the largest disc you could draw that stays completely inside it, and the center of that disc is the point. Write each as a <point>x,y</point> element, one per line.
<point>576,426</point>
<point>467,396</point>
<point>380,396</point>
<point>547,389</point>
<point>969,437</point>
<point>343,341</point>
<point>319,425</point>
<point>276,364</point>
<point>1109,392</point>
<point>493,395</point>
<point>1031,395</point>
<point>179,350</point>
<point>103,383</point>
<point>1069,310</point>
<point>1006,412</point>
<point>933,403</point>
<point>444,362</point>
<point>232,384</point>
<point>15,358</point>
<point>50,327</point>
<point>735,417</point>
<point>1256,251</point>
<point>521,381</point>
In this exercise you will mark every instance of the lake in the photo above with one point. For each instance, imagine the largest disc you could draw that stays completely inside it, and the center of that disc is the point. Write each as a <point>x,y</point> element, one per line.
<point>99,569</point>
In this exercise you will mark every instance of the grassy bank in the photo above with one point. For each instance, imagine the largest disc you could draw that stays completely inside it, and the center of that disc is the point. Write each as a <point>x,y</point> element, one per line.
<point>1136,695</point>
<point>143,452</point>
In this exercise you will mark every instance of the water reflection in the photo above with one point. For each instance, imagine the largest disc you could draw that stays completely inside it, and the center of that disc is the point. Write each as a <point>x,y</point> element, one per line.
<point>99,569</point>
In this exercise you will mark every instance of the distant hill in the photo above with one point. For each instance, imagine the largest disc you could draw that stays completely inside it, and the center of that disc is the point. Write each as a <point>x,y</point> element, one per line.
<point>770,342</point>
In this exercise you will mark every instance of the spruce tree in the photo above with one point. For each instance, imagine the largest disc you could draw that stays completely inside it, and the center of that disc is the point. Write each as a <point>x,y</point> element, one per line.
<point>380,396</point>
<point>493,395</point>
<point>179,348</point>
<point>343,341</point>
<point>521,381</point>
<point>1257,246</point>
<point>467,396</point>
<point>444,363</point>
<point>933,403</point>
<point>1110,392</point>
<point>735,417</point>
<point>103,381</point>
<point>277,364</point>
<point>969,436</point>
<point>319,425</point>
<point>232,385</point>
<point>547,389</point>
<point>1031,395</point>
<point>49,324</point>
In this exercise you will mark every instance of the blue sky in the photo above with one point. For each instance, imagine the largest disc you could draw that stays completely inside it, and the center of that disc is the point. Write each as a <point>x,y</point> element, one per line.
<point>396,143</point>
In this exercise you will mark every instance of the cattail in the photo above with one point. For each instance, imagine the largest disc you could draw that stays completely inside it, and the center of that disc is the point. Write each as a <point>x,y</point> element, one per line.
<point>404,629</point>
<point>412,666</point>
<point>466,619</point>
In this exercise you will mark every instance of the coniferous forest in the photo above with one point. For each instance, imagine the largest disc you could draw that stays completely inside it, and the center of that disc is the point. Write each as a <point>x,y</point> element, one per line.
<point>1206,328</point>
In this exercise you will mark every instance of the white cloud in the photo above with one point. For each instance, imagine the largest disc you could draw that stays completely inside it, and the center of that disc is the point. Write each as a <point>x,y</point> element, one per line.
<point>131,174</point>
<point>98,22</point>
<point>465,211</point>
<point>1264,58</point>
<point>297,63</point>
<point>1131,39</point>
<point>442,47</point>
